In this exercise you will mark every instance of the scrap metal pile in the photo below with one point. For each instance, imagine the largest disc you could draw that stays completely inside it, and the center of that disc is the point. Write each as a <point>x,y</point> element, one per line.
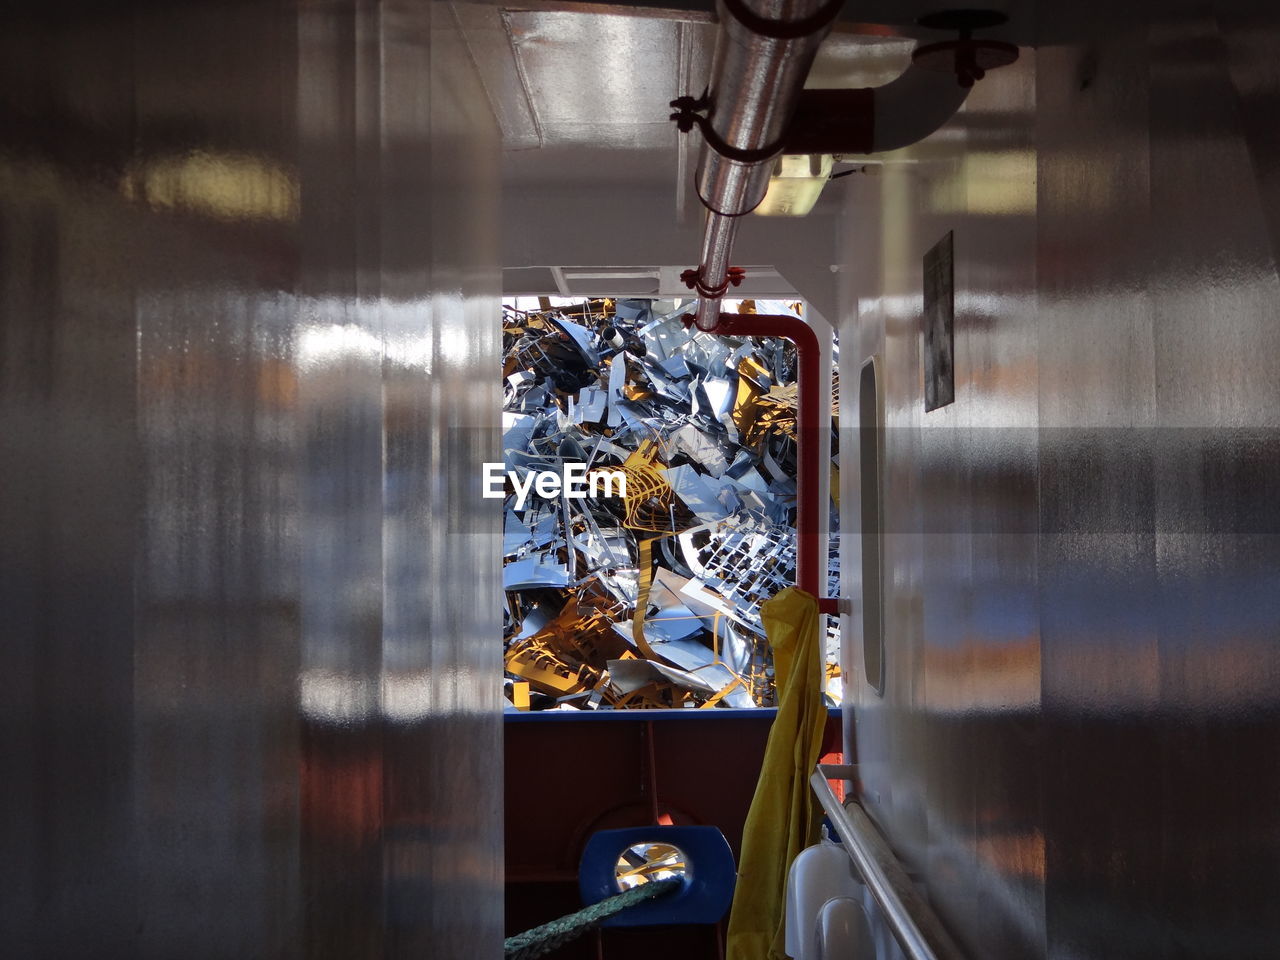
<point>650,598</point>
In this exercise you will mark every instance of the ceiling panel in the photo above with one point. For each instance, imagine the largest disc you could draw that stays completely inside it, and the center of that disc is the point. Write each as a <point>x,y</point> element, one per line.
<point>608,79</point>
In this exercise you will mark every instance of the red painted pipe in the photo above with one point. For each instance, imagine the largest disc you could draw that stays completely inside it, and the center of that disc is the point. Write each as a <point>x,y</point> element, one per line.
<point>809,424</point>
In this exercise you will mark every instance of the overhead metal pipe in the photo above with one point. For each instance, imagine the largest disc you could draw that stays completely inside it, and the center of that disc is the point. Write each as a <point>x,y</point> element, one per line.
<point>875,119</point>
<point>717,246</point>
<point>763,52</point>
<point>756,109</point>
<point>732,181</point>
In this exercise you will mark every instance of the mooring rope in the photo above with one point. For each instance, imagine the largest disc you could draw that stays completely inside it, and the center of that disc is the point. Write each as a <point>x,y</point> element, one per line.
<point>544,939</point>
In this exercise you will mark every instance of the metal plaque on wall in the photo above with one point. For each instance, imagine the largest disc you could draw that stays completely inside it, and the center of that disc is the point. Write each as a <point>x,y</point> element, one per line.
<point>939,322</point>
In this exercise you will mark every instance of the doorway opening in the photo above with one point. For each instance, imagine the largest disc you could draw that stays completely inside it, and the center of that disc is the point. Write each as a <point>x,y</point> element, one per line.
<point>648,479</point>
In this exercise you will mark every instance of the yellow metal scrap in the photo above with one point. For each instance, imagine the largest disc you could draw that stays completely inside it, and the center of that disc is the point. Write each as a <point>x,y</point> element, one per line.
<point>653,696</point>
<point>649,498</point>
<point>547,671</point>
<point>520,695</point>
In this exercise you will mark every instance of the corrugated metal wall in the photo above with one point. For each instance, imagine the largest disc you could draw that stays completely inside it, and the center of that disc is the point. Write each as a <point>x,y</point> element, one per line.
<point>248,601</point>
<point>1077,745</point>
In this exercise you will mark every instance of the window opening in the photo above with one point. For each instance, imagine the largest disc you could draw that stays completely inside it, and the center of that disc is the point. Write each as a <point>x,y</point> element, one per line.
<point>870,442</point>
<point>646,465</point>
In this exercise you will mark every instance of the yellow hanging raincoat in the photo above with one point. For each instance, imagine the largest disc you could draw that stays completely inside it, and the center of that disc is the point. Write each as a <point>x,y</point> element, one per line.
<point>784,815</point>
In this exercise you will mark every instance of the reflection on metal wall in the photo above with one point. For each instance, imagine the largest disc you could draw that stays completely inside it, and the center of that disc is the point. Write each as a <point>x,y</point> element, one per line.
<point>248,588</point>
<point>1077,740</point>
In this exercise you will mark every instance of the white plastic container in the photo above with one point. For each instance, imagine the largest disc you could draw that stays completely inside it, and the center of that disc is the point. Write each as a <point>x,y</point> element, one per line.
<point>822,872</point>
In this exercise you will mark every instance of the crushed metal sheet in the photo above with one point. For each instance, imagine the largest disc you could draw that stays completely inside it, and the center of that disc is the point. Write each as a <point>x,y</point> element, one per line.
<point>632,675</point>
<point>703,429</point>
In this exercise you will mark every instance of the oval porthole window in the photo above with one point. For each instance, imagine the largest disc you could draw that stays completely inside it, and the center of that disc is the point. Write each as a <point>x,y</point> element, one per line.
<point>645,862</point>
<point>870,440</point>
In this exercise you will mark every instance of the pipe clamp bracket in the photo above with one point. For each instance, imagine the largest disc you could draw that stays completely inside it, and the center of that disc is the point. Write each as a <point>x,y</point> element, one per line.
<point>693,280</point>
<point>691,112</point>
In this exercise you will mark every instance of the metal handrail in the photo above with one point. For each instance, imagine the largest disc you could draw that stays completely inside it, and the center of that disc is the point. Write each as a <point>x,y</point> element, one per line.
<point>914,924</point>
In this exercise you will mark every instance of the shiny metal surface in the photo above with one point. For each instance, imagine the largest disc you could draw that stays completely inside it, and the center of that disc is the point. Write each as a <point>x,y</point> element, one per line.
<point>1076,748</point>
<point>598,79</point>
<point>248,589</point>
<point>755,83</point>
<point>717,245</point>
<point>591,81</point>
